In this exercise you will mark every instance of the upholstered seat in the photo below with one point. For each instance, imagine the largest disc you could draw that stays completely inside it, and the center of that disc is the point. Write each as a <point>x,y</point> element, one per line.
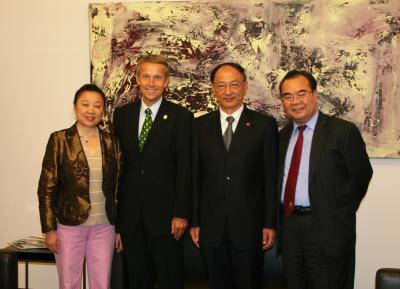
<point>387,278</point>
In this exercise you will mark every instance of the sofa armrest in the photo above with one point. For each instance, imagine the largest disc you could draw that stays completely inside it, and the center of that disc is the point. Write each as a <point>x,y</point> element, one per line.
<point>387,278</point>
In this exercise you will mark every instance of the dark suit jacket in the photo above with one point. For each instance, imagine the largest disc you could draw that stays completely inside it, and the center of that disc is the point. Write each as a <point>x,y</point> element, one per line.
<point>155,183</point>
<point>339,175</point>
<point>63,189</point>
<point>235,189</point>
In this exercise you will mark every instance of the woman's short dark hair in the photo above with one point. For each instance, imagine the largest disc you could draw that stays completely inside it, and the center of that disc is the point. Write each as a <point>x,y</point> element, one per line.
<point>296,73</point>
<point>89,87</point>
<point>234,65</point>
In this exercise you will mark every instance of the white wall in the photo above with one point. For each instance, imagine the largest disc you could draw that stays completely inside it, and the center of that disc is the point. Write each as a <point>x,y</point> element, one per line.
<point>44,58</point>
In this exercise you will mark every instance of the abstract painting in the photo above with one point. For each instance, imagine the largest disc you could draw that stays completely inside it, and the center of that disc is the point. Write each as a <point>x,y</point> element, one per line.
<point>352,47</point>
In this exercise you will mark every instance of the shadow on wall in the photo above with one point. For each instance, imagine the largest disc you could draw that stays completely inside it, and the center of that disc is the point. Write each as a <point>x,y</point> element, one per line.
<point>195,276</point>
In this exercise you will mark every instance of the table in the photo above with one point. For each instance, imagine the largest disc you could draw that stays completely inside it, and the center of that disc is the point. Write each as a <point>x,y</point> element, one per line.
<point>37,256</point>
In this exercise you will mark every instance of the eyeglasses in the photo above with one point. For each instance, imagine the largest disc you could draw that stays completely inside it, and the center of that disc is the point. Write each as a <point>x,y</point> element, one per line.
<point>289,97</point>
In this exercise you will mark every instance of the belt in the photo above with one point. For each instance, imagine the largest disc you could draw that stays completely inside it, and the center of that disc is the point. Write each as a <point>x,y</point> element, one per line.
<point>300,210</point>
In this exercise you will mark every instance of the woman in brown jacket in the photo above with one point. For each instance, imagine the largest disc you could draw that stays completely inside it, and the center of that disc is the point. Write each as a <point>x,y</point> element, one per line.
<point>77,194</point>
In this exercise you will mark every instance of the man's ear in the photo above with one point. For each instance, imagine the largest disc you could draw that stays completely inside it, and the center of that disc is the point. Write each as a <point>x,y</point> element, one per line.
<point>166,83</point>
<point>316,93</point>
<point>246,86</point>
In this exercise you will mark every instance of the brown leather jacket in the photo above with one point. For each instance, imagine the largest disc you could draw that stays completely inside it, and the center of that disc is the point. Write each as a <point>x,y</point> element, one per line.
<point>64,181</point>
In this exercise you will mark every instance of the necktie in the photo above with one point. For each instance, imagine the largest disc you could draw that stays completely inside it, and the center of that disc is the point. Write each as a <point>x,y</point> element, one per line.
<point>228,132</point>
<point>291,181</point>
<point>145,128</point>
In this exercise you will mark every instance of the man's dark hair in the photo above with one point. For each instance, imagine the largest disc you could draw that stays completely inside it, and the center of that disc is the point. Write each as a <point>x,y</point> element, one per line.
<point>236,66</point>
<point>89,87</point>
<point>296,73</point>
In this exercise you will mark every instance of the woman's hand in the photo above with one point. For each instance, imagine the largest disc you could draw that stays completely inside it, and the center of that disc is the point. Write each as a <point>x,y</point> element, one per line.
<point>51,240</point>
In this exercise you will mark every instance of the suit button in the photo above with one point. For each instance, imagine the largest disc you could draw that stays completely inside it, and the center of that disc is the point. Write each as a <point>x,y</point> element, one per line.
<point>227,178</point>
<point>142,172</point>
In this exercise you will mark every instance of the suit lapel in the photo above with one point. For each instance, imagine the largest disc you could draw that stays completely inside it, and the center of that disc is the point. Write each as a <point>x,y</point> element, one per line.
<point>243,127</point>
<point>133,124</point>
<point>104,150</point>
<point>216,131</point>
<point>284,139</point>
<point>318,143</point>
<point>76,152</point>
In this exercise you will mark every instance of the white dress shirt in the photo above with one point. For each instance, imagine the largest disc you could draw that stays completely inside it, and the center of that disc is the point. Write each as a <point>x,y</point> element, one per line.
<point>236,115</point>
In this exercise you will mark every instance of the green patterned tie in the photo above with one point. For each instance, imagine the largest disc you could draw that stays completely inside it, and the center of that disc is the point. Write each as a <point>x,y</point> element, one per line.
<point>145,128</point>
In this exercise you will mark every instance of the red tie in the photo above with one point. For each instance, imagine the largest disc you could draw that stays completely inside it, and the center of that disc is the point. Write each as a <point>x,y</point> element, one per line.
<point>291,181</point>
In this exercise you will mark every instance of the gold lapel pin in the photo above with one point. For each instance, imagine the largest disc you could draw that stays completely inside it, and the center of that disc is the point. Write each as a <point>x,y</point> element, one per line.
<point>165,116</point>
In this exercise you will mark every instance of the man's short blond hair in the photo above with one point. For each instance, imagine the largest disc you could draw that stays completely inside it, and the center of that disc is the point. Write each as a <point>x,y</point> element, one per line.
<point>152,58</point>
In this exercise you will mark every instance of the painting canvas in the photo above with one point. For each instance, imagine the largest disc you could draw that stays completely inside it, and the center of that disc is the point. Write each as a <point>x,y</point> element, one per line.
<point>352,47</point>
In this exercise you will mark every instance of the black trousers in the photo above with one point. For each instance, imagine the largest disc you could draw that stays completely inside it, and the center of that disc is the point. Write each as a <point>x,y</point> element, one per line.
<point>230,268</point>
<point>305,264</point>
<point>152,260</point>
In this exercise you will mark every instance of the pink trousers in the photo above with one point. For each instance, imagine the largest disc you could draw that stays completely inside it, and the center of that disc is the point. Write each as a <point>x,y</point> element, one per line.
<point>95,243</point>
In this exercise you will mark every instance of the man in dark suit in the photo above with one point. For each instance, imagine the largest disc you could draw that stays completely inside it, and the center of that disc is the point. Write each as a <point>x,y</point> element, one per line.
<point>323,174</point>
<point>154,198</point>
<point>235,197</point>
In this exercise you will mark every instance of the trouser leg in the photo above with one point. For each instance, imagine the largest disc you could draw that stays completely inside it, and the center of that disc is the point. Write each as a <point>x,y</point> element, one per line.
<point>99,254</point>
<point>70,255</point>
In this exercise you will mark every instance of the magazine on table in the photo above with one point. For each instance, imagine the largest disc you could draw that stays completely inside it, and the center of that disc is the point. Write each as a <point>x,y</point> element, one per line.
<point>29,243</point>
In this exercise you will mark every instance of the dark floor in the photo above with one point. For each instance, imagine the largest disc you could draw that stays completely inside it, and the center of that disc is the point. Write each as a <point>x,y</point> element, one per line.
<point>273,282</point>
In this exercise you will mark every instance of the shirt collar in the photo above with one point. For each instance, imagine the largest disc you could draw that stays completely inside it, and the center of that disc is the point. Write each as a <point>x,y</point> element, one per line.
<point>236,115</point>
<point>154,107</point>
<point>311,123</point>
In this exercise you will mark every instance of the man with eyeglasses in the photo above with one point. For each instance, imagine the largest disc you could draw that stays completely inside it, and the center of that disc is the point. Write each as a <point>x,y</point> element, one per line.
<point>235,161</point>
<point>323,174</point>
